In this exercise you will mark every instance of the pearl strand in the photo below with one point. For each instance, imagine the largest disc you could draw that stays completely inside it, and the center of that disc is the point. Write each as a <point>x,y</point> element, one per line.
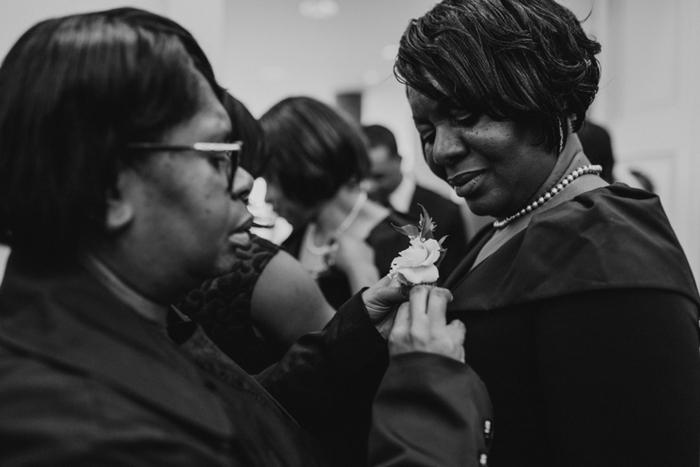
<point>588,169</point>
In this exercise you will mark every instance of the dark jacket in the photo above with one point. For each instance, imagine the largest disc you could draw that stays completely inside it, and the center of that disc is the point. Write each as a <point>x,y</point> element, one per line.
<point>583,327</point>
<point>84,380</point>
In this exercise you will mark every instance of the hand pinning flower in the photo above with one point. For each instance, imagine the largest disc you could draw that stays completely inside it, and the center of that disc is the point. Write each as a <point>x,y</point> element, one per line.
<point>418,264</point>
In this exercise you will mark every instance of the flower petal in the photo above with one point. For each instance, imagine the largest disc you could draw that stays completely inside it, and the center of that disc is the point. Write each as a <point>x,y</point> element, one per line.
<point>420,274</point>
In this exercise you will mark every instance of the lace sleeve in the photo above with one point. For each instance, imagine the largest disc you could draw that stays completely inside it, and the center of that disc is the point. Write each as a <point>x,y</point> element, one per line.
<point>222,307</point>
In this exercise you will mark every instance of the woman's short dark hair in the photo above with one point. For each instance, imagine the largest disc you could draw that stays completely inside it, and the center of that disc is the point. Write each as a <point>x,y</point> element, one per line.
<point>73,92</point>
<point>246,128</point>
<point>313,149</point>
<point>527,61</point>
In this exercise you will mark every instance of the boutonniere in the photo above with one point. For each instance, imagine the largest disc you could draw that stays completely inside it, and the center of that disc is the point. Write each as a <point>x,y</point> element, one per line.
<point>418,264</point>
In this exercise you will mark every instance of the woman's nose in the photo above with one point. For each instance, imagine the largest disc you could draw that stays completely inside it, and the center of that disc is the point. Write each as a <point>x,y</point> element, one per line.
<point>242,184</point>
<point>447,147</point>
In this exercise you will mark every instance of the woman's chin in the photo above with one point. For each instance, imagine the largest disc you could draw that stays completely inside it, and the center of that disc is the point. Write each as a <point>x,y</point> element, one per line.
<point>480,208</point>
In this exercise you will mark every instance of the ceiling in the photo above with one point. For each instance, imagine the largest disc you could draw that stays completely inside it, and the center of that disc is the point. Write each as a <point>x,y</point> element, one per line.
<point>265,50</point>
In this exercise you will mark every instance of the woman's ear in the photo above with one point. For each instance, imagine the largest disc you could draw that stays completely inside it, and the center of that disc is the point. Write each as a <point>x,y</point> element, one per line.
<point>120,210</point>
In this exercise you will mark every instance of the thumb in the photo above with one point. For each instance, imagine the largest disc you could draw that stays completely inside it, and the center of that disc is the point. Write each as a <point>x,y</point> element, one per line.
<point>384,281</point>
<point>457,331</point>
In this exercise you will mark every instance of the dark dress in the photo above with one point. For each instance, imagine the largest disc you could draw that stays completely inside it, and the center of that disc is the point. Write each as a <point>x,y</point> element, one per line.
<point>384,240</point>
<point>222,307</point>
<point>583,327</point>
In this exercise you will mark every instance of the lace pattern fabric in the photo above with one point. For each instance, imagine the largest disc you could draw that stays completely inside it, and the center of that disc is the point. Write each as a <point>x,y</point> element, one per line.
<point>222,307</point>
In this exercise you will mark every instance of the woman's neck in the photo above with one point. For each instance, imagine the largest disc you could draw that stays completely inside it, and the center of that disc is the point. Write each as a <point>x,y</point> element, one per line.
<point>336,212</point>
<point>570,158</point>
<point>349,211</point>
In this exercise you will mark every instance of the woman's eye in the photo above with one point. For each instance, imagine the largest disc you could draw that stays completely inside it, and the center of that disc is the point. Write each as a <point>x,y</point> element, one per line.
<point>427,138</point>
<point>464,118</point>
<point>426,135</point>
<point>218,162</point>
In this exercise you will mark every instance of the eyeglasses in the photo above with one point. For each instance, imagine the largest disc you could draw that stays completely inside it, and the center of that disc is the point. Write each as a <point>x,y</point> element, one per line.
<point>226,152</point>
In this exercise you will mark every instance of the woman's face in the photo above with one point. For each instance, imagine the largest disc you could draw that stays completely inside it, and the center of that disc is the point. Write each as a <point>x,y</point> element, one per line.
<point>495,166</point>
<point>293,212</point>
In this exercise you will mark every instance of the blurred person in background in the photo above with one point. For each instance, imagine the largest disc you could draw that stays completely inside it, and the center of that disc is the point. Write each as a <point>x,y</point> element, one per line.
<point>581,307</point>
<point>390,187</point>
<point>597,145</point>
<point>316,163</point>
<point>119,192</point>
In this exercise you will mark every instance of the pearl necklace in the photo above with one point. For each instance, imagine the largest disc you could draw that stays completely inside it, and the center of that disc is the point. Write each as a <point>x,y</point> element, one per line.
<point>563,183</point>
<point>347,222</point>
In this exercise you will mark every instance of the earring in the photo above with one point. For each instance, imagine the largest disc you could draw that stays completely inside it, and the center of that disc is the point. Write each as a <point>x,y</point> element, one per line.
<point>561,135</point>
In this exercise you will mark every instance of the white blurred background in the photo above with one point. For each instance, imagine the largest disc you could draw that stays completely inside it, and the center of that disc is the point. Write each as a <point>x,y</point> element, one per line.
<point>341,51</point>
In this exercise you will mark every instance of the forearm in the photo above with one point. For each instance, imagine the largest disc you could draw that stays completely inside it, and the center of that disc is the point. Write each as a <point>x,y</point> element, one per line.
<point>284,314</point>
<point>328,379</point>
<point>361,275</point>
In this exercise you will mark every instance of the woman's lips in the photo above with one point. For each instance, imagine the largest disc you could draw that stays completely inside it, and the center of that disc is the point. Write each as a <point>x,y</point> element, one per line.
<point>465,182</point>
<point>241,236</point>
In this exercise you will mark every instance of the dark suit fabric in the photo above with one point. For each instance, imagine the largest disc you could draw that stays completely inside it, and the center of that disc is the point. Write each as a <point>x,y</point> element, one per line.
<point>448,219</point>
<point>84,380</point>
<point>583,327</point>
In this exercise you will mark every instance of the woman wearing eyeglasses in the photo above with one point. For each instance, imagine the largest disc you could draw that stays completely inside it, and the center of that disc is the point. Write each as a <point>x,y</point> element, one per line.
<point>95,366</point>
<point>240,310</point>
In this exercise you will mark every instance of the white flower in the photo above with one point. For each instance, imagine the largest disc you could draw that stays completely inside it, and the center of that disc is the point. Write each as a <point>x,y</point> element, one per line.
<point>416,264</point>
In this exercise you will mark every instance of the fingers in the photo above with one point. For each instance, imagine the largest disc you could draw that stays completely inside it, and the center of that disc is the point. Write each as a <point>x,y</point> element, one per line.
<point>428,306</point>
<point>431,301</point>
<point>402,320</point>
<point>381,300</point>
<point>457,332</point>
<point>383,296</point>
<point>420,325</point>
<point>437,304</point>
<point>384,281</point>
<point>418,302</point>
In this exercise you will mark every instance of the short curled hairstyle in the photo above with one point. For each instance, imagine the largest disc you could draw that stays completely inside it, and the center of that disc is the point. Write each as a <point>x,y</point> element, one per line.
<point>313,150</point>
<point>74,91</point>
<point>519,60</point>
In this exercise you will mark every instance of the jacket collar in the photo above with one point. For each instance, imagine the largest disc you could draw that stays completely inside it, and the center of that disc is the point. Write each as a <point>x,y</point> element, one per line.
<point>572,240</point>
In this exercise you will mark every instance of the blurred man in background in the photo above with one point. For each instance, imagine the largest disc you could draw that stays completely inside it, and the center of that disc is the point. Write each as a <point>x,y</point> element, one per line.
<point>389,186</point>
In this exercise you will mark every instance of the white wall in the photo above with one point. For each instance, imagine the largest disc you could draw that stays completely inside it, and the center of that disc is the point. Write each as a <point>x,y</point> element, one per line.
<point>650,100</point>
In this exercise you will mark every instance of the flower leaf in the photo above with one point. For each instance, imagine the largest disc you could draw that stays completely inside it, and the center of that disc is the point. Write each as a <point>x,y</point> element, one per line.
<point>426,224</point>
<point>408,230</point>
<point>443,252</point>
